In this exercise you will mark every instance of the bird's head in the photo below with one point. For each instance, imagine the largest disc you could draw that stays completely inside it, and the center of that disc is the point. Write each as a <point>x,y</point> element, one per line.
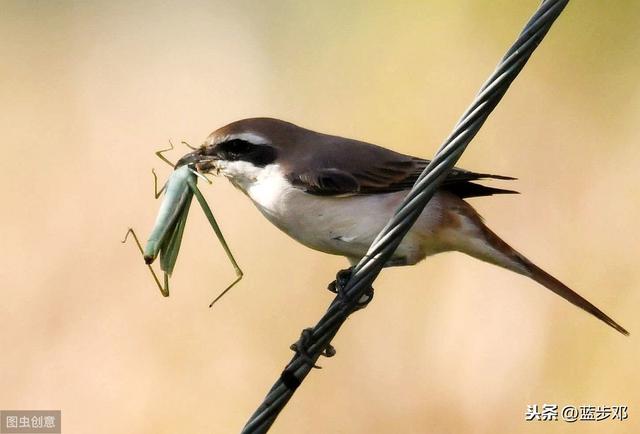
<point>244,149</point>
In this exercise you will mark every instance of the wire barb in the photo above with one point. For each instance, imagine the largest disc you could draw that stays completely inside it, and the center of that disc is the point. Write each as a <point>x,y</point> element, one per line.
<point>343,299</point>
<point>301,348</point>
<point>317,340</point>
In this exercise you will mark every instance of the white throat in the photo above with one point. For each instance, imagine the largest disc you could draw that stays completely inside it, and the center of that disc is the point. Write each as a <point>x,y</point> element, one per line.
<point>266,186</point>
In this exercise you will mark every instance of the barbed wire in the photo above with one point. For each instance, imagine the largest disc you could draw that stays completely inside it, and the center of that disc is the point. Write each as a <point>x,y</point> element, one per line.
<point>353,288</point>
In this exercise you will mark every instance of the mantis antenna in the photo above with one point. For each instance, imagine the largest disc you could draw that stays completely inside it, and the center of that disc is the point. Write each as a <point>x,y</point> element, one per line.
<point>189,146</point>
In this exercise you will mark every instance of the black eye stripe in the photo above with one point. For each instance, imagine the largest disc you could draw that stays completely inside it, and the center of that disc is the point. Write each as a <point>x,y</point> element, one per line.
<point>237,146</point>
<point>243,150</point>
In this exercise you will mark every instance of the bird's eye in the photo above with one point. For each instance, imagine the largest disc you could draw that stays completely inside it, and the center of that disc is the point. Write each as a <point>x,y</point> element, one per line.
<point>236,147</point>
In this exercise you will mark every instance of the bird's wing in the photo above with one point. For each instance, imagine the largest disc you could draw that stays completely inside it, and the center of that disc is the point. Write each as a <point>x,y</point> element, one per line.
<point>347,167</point>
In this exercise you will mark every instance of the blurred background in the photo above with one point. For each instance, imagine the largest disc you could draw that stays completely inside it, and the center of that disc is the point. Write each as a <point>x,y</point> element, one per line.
<point>91,89</point>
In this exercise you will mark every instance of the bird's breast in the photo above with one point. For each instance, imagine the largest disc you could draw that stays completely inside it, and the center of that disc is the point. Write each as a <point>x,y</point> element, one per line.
<point>339,225</point>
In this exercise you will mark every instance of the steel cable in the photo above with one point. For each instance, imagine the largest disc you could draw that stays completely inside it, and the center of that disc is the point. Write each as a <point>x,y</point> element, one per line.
<point>316,341</point>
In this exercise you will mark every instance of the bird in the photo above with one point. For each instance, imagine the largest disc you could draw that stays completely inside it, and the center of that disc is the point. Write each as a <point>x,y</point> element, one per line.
<point>335,194</point>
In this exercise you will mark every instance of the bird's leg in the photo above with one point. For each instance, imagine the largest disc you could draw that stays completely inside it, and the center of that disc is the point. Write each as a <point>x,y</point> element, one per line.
<point>338,286</point>
<point>301,347</point>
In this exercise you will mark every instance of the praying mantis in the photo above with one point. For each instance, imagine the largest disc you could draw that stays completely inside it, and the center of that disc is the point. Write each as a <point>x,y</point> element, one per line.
<point>166,236</point>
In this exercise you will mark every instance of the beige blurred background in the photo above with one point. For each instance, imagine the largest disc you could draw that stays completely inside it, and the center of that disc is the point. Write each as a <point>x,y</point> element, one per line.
<point>91,89</point>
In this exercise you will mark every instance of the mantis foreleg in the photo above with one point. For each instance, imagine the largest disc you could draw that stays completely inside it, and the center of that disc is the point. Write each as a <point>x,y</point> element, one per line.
<point>216,229</point>
<point>165,159</point>
<point>157,193</point>
<point>162,157</point>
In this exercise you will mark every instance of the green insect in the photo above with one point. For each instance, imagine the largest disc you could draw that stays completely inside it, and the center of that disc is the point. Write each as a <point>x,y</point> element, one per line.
<point>166,236</point>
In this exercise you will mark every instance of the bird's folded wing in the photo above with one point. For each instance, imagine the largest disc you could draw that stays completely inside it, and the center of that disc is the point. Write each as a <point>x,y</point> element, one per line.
<point>350,167</point>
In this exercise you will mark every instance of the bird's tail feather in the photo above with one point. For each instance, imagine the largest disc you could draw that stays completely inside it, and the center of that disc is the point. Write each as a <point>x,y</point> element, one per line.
<point>550,282</point>
<point>505,256</point>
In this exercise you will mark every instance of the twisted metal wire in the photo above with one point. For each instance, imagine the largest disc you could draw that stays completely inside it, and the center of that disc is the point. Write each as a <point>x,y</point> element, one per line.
<point>316,341</point>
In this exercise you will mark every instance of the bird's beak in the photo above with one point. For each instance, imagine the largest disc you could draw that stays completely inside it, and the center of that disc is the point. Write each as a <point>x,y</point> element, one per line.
<point>190,158</point>
<point>203,158</point>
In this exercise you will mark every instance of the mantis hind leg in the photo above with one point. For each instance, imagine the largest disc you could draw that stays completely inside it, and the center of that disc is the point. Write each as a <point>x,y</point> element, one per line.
<point>216,229</point>
<point>163,289</point>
